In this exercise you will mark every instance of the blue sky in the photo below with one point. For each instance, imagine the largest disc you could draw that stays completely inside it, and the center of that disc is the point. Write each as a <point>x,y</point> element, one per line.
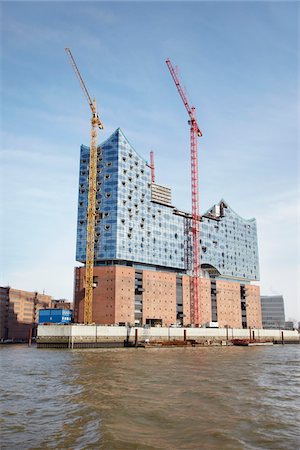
<point>239,62</point>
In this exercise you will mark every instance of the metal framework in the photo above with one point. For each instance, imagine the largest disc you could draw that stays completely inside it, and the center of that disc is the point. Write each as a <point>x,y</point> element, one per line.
<point>195,132</point>
<point>91,214</point>
<point>152,166</point>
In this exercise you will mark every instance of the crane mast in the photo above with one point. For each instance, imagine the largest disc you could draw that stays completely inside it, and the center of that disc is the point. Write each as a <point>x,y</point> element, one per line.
<point>195,132</point>
<point>152,166</point>
<point>91,211</point>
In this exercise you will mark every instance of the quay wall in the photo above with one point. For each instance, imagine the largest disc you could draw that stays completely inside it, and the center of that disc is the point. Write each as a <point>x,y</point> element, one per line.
<point>70,334</point>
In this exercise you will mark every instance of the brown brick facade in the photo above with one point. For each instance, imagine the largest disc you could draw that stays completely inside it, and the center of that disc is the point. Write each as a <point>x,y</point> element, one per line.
<point>229,304</point>
<point>19,312</point>
<point>186,281</point>
<point>124,282</point>
<point>205,301</point>
<point>114,298</point>
<point>253,307</point>
<point>159,297</point>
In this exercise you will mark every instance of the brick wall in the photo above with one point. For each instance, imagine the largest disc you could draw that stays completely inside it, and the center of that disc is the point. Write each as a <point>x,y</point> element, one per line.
<point>253,306</point>
<point>19,311</point>
<point>229,304</point>
<point>114,298</point>
<point>159,296</point>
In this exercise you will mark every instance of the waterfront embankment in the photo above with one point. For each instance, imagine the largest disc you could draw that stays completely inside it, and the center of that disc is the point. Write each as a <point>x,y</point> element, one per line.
<point>85,336</point>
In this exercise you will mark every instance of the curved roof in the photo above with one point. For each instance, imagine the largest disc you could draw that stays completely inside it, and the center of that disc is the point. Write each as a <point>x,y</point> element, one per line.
<point>222,201</point>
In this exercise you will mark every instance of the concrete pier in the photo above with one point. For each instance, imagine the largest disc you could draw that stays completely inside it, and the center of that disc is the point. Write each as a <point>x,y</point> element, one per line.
<point>90,336</point>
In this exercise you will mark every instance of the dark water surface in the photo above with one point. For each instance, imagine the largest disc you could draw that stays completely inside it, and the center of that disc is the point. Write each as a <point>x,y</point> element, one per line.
<point>197,398</point>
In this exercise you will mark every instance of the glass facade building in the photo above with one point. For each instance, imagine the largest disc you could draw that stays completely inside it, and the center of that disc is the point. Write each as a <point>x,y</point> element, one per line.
<point>272,310</point>
<point>137,225</point>
<point>229,243</point>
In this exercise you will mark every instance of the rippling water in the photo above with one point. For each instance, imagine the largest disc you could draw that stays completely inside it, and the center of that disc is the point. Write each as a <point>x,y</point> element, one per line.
<point>195,398</point>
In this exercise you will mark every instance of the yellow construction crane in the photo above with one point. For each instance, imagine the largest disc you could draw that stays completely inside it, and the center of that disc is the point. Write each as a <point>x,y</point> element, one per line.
<point>90,233</point>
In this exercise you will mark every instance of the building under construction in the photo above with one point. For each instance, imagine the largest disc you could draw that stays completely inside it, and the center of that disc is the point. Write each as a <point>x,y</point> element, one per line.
<point>143,250</point>
<point>142,255</point>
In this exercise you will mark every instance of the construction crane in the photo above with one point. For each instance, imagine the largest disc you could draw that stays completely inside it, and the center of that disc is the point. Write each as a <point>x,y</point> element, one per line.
<point>152,166</point>
<point>91,212</point>
<point>195,132</point>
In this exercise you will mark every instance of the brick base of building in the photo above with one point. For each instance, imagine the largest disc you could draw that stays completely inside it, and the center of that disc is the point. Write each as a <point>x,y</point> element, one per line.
<point>125,295</point>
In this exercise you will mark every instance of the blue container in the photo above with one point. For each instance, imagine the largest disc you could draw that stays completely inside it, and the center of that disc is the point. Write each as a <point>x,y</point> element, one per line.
<point>58,316</point>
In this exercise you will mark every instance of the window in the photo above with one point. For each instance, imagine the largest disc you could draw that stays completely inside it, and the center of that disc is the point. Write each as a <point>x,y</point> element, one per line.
<point>108,164</point>
<point>108,195</point>
<point>107,176</point>
<point>107,227</point>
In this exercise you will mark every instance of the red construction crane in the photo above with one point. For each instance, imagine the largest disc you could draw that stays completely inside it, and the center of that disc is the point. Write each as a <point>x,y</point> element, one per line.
<point>152,166</point>
<point>194,133</point>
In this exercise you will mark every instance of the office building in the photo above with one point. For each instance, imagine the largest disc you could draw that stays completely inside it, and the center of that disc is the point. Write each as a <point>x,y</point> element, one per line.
<point>289,325</point>
<point>19,312</point>
<point>272,309</point>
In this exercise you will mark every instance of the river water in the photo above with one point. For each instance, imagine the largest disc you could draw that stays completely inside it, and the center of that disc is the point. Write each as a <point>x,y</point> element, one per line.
<point>183,398</point>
